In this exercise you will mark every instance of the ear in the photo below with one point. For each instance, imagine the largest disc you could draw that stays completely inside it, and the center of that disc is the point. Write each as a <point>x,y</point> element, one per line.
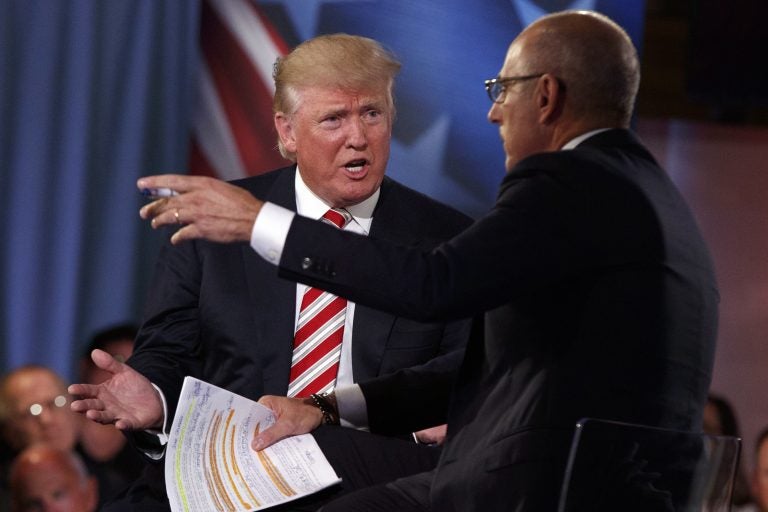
<point>550,97</point>
<point>284,127</point>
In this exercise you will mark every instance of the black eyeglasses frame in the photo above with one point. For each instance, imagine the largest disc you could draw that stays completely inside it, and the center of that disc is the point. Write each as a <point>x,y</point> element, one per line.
<point>495,87</point>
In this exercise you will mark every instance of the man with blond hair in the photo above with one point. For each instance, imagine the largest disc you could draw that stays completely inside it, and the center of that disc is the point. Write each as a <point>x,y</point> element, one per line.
<point>219,313</point>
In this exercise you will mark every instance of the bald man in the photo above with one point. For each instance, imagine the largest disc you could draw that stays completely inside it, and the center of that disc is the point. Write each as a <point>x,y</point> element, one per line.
<point>48,479</point>
<point>34,408</point>
<point>598,288</point>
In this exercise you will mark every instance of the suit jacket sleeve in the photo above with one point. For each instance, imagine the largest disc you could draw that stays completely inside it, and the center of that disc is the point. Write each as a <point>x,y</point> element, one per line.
<point>520,243</point>
<point>166,346</point>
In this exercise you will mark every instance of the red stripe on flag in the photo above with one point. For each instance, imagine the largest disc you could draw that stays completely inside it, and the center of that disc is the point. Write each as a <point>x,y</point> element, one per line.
<point>198,163</point>
<point>245,99</point>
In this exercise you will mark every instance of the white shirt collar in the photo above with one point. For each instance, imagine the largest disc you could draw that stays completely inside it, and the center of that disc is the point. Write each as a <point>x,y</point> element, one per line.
<point>581,138</point>
<point>308,204</point>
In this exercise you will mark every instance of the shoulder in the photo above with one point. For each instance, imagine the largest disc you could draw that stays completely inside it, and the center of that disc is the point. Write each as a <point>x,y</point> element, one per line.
<point>615,158</point>
<point>263,182</point>
<point>606,149</point>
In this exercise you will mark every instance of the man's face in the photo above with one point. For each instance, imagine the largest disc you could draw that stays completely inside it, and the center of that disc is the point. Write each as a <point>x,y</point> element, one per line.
<point>40,411</point>
<point>341,140</point>
<point>760,478</point>
<point>712,423</point>
<point>51,486</point>
<point>517,115</point>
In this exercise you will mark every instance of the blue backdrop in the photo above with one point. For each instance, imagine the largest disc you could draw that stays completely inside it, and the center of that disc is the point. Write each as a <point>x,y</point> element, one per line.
<point>95,93</point>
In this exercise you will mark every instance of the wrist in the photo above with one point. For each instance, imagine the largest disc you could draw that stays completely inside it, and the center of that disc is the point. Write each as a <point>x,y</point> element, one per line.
<point>326,404</point>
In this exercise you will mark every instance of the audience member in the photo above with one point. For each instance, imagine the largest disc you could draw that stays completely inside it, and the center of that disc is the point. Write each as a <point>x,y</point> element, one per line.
<point>720,419</point>
<point>759,477</point>
<point>34,408</point>
<point>48,479</point>
<point>599,290</point>
<point>110,457</point>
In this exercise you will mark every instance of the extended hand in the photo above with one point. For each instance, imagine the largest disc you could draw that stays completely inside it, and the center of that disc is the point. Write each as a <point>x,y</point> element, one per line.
<point>205,208</point>
<point>126,399</point>
<point>294,416</point>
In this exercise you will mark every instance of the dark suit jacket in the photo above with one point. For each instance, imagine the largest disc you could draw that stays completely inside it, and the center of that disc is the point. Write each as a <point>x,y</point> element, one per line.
<point>220,313</point>
<point>600,300</point>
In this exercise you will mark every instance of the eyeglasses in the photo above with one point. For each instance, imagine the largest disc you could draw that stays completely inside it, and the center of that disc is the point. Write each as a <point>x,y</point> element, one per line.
<point>495,87</point>
<point>36,409</point>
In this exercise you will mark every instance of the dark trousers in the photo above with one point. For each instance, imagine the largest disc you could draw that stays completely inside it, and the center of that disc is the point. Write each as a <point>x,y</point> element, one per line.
<point>408,494</point>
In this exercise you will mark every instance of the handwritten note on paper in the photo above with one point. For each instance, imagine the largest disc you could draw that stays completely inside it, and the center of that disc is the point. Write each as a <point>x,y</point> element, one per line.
<point>210,466</point>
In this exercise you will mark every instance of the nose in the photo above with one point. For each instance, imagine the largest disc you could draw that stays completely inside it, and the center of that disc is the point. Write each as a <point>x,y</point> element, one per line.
<point>356,137</point>
<point>494,113</point>
<point>45,417</point>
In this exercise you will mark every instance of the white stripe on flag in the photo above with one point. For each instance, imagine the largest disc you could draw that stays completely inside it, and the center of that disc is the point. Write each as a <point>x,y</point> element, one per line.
<point>213,132</point>
<point>247,27</point>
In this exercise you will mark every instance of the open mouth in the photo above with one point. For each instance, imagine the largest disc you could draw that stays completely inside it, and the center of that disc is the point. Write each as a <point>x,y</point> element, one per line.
<point>355,166</point>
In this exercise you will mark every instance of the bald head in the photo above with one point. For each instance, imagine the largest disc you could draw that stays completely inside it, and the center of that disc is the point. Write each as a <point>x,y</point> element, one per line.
<point>45,478</point>
<point>34,408</point>
<point>594,58</point>
<point>565,75</point>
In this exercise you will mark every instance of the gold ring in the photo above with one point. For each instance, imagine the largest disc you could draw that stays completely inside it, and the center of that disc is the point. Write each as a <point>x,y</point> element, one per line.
<point>176,214</point>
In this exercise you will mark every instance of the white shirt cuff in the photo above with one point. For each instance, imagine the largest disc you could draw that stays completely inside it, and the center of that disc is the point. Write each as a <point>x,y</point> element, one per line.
<point>350,402</point>
<point>270,231</point>
<point>159,436</point>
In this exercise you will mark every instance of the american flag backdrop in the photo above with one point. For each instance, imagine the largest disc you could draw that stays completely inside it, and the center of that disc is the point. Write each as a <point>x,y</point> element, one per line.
<point>442,142</point>
<point>232,131</point>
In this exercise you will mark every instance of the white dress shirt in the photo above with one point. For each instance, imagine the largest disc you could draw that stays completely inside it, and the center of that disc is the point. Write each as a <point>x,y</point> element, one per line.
<point>268,238</point>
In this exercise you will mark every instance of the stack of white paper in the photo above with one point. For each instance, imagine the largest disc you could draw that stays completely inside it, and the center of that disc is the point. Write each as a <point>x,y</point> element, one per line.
<point>210,465</point>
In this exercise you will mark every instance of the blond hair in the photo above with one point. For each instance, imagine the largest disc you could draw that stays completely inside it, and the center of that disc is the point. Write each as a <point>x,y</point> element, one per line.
<point>336,60</point>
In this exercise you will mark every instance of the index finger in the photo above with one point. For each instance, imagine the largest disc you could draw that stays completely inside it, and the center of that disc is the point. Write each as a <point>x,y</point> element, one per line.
<point>177,182</point>
<point>82,391</point>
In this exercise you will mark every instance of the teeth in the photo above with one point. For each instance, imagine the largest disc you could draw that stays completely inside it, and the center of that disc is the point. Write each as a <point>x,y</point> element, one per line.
<point>355,166</point>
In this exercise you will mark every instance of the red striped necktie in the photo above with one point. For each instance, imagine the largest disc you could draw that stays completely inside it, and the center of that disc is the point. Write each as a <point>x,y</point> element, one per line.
<point>319,331</point>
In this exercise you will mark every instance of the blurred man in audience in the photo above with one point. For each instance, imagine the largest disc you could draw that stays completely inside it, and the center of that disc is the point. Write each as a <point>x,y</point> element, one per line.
<point>759,477</point>
<point>44,478</point>
<point>34,408</point>
<point>720,420</point>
